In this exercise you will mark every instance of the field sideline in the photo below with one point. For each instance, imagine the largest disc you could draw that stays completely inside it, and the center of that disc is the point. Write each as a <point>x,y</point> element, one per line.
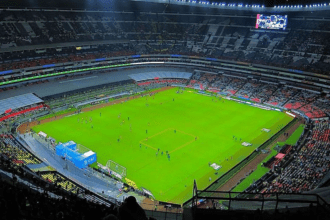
<point>195,129</point>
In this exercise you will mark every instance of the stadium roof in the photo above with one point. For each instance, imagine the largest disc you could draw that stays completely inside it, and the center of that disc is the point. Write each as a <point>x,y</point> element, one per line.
<point>18,102</point>
<point>125,4</point>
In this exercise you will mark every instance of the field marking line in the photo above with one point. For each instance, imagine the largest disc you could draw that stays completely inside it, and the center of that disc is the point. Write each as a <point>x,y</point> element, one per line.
<point>72,80</point>
<point>186,133</point>
<point>182,146</point>
<point>159,133</point>
<point>148,145</point>
<point>178,148</point>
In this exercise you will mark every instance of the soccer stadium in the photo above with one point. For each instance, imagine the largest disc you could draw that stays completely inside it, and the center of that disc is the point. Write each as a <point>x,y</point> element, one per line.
<point>164,109</point>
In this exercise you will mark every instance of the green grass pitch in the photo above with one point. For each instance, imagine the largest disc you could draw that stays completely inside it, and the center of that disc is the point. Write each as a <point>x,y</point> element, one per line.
<point>195,129</point>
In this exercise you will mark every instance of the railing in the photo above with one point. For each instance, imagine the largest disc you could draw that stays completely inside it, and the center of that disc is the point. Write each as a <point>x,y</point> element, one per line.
<point>167,214</point>
<point>255,201</point>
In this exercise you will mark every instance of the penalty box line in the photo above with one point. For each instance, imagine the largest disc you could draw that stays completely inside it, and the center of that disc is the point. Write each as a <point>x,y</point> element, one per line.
<point>148,146</point>
<point>178,148</point>
<point>182,146</point>
<point>159,133</point>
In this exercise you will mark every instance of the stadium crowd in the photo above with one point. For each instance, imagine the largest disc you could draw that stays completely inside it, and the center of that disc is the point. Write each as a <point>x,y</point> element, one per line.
<point>304,47</point>
<point>309,165</point>
<point>164,33</point>
<point>26,112</point>
<point>310,103</point>
<point>40,195</point>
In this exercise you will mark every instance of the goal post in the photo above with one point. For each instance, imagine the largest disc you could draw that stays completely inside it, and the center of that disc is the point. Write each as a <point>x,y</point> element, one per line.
<point>82,149</point>
<point>116,169</point>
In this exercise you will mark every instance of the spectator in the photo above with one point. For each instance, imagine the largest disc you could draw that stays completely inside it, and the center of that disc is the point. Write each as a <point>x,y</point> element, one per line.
<point>131,210</point>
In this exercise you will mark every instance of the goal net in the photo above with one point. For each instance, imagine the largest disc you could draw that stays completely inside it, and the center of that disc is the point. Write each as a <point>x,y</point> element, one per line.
<point>116,169</point>
<point>82,149</point>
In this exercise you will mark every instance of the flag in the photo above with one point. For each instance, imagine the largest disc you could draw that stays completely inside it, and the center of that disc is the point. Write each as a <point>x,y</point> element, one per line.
<point>8,110</point>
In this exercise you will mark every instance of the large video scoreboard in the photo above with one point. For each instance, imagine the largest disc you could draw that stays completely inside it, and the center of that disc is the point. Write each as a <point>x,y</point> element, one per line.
<point>277,22</point>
